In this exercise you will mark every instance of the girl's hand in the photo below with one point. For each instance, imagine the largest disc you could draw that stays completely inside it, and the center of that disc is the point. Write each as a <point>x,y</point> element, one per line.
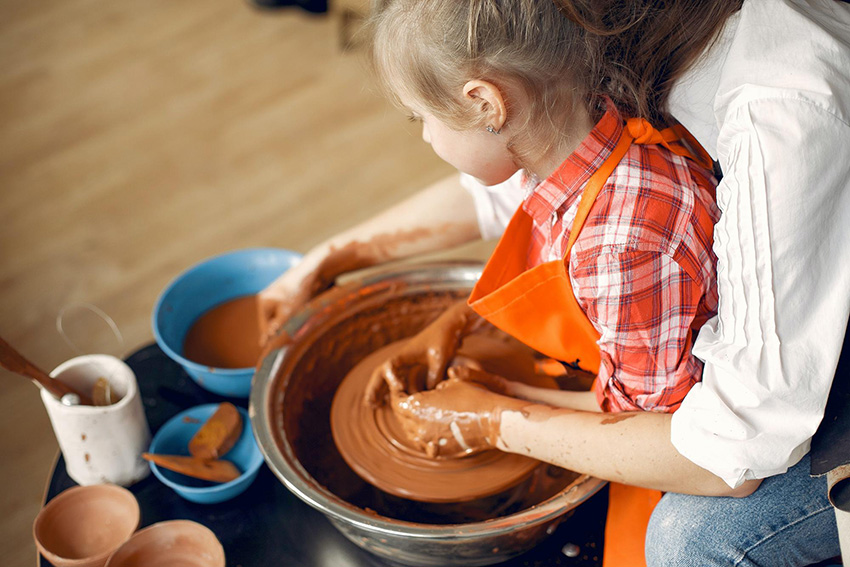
<point>458,417</point>
<point>422,363</point>
<point>578,400</point>
<point>493,382</point>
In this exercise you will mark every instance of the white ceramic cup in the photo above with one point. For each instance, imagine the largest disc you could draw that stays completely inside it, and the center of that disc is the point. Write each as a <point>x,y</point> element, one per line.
<point>101,444</point>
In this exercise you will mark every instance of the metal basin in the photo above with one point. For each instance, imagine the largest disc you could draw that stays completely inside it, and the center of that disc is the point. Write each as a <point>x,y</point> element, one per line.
<point>290,407</point>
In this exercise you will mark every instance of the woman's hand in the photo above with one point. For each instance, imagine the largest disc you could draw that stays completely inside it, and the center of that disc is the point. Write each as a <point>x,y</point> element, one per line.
<point>458,417</point>
<point>422,363</point>
<point>287,294</point>
<point>316,272</point>
<point>493,382</point>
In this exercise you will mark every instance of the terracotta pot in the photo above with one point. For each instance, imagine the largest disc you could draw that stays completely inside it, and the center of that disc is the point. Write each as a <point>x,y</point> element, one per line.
<point>83,525</point>
<point>176,543</point>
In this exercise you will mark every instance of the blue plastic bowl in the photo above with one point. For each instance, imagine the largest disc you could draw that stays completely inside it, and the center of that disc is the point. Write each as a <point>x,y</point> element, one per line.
<point>173,439</point>
<point>204,286</point>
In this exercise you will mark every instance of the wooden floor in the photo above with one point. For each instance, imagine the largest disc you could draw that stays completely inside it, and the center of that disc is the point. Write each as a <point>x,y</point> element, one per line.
<point>141,136</point>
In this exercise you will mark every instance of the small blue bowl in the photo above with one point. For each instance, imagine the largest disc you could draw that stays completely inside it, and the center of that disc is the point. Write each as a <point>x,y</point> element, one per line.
<point>204,286</point>
<point>173,439</point>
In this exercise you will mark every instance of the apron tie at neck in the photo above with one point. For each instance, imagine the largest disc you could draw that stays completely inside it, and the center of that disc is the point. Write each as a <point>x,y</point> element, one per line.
<point>644,133</point>
<point>677,139</point>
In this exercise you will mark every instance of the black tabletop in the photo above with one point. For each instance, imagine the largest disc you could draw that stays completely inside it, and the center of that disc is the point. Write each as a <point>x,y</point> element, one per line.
<point>268,525</point>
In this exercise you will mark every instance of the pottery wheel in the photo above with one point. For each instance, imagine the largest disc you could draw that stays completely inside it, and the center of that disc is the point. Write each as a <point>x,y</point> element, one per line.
<point>373,443</point>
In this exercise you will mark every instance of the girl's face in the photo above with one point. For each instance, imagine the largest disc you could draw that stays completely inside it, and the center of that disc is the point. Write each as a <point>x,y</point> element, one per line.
<point>481,154</point>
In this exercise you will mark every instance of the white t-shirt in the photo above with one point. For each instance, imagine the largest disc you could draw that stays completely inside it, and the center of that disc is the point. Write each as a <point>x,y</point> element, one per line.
<point>771,101</point>
<point>494,204</point>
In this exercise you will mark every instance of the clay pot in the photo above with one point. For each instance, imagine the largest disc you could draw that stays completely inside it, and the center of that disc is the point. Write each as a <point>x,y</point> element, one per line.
<point>176,543</point>
<point>83,525</point>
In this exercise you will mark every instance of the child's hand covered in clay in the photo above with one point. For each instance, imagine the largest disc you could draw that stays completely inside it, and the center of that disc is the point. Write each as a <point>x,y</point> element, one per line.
<point>458,417</point>
<point>493,382</point>
<point>422,363</point>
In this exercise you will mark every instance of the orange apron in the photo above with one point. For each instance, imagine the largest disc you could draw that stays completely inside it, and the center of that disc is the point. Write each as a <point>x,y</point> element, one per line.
<point>538,307</point>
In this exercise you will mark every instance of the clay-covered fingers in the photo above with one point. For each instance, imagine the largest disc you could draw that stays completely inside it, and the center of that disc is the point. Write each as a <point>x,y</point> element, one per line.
<point>417,367</point>
<point>272,313</point>
<point>421,363</point>
<point>456,418</point>
<point>282,298</point>
<point>440,340</point>
<point>461,360</point>
<point>402,374</point>
<point>278,341</point>
<point>438,356</point>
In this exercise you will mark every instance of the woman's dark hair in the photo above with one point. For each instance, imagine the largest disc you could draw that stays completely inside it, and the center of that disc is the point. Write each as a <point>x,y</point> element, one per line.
<point>646,45</point>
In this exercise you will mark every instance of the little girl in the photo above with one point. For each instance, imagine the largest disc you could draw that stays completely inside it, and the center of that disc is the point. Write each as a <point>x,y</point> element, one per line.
<point>607,264</point>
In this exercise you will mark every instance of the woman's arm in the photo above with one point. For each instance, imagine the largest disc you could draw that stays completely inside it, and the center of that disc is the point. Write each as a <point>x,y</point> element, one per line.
<point>584,401</point>
<point>770,353</point>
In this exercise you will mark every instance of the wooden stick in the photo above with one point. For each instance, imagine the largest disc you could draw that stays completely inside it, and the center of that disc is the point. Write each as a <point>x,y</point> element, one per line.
<point>215,470</point>
<point>13,361</point>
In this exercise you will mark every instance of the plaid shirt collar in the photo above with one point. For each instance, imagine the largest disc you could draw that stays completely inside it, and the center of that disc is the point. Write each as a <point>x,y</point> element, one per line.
<point>566,183</point>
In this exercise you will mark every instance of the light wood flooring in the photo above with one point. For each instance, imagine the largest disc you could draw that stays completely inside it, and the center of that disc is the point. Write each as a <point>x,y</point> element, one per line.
<point>138,137</point>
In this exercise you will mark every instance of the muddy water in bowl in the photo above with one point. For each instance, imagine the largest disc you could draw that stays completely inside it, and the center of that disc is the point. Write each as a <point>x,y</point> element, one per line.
<point>226,336</point>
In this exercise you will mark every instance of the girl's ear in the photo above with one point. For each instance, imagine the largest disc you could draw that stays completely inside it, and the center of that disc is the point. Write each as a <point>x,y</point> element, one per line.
<point>488,102</point>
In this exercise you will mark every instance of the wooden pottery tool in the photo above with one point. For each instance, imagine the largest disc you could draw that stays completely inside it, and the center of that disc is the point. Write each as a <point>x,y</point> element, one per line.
<point>218,435</point>
<point>13,361</point>
<point>212,470</point>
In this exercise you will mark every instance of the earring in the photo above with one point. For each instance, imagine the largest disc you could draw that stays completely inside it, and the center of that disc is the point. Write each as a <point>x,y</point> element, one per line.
<point>492,130</point>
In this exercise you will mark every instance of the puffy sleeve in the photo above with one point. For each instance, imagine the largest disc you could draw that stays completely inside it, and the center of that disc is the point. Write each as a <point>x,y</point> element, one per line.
<point>783,250</point>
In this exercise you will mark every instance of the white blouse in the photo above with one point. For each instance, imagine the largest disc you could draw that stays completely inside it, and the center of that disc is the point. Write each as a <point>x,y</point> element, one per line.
<point>782,116</point>
<point>771,100</point>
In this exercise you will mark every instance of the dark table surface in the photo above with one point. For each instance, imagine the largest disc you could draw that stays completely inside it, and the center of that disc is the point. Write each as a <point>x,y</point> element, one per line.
<point>268,525</point>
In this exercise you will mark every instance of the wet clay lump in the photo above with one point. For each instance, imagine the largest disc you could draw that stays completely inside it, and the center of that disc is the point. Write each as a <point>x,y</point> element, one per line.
<point>373,443</point>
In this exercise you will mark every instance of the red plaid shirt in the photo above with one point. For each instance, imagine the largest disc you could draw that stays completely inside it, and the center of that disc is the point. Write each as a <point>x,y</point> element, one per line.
<point>642,267</point>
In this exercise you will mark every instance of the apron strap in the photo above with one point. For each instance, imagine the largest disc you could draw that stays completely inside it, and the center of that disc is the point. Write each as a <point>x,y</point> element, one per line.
<point>594,186</point>
<point>677,139</point>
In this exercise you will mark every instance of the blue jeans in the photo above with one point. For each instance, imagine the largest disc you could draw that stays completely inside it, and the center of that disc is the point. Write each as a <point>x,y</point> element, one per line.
<point>787,521</point>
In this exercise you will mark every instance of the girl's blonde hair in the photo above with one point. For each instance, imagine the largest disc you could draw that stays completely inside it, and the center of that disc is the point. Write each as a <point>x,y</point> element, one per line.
<point>426,50</point>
